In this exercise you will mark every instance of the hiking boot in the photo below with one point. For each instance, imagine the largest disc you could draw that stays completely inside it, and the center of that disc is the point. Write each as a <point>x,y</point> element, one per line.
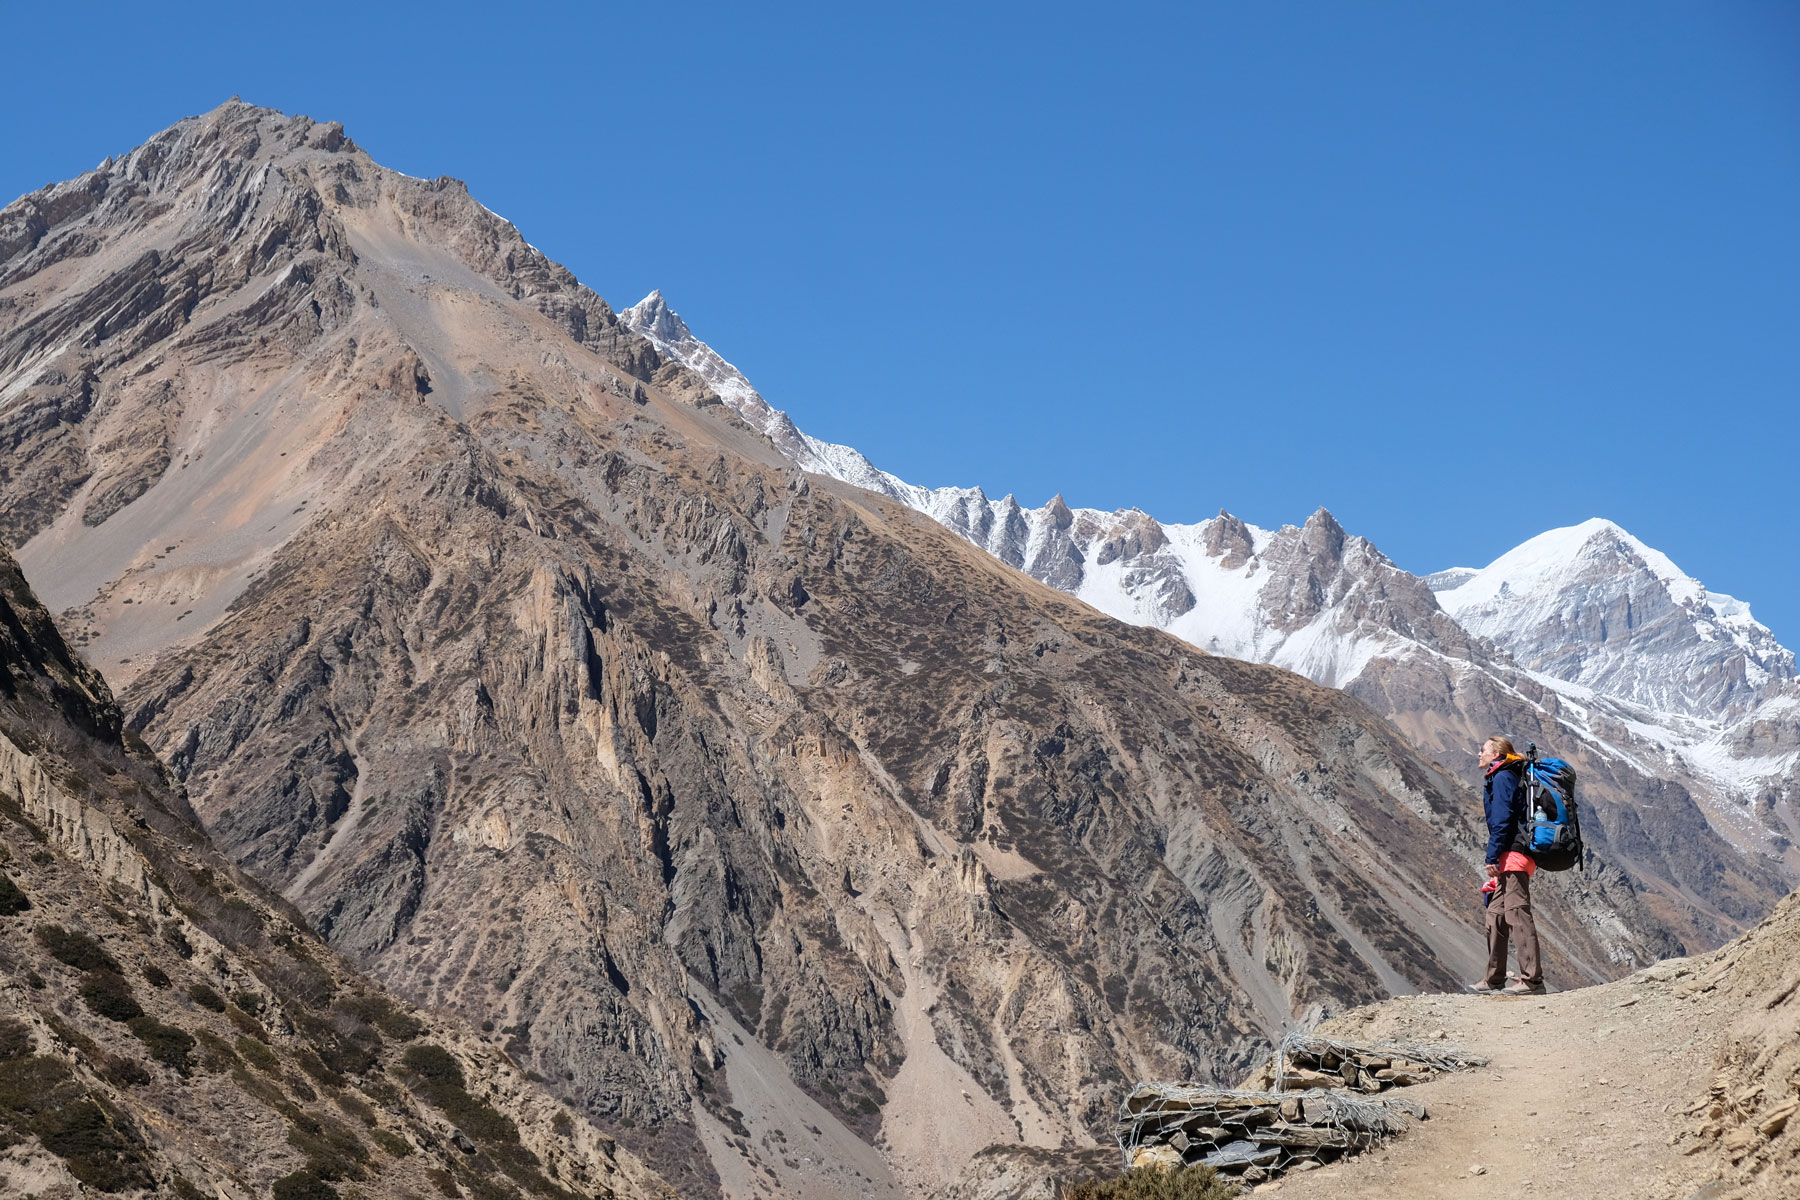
<point>1521,988</point>
<point>1484,988</point>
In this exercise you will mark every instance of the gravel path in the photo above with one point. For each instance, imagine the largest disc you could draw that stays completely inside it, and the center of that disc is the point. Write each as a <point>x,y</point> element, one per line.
<point>1584,1097</point>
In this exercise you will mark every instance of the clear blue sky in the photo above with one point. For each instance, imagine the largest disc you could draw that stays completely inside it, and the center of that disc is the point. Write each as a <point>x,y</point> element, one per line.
<point>1254,256</point>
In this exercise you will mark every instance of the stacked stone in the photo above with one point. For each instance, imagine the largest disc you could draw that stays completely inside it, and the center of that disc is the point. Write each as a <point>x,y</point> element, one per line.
<point>1303,1062</point>
<point>1307,1106</point>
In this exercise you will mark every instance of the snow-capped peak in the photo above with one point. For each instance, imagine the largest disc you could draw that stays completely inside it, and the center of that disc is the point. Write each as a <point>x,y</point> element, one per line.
<point>653,317</point>
<point>1559,553</point>
<point>1593,605</point>
<point>663,327</point>
<point>1590,611</point>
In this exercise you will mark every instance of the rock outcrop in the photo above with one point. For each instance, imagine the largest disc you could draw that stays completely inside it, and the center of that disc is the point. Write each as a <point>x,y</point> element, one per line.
<point>804,846</point>
<point>168,1027</point>
<point>1678,708</point>
<point>1745,1122</point>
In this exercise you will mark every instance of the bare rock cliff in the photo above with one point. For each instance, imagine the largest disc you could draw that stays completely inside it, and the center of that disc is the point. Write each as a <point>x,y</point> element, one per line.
<point>1678,709</point>
<point>801,844</point>
<point>168,1027</point>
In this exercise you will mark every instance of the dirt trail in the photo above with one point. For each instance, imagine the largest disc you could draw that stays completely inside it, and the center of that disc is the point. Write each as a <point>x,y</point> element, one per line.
<point>1584,1098</point>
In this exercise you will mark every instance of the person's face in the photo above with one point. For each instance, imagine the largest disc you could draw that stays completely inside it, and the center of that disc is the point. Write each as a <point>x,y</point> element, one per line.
<point>1488,756</point>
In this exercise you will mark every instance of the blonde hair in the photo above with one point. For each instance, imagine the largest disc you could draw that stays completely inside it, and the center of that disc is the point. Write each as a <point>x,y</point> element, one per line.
<point>1503,745</point>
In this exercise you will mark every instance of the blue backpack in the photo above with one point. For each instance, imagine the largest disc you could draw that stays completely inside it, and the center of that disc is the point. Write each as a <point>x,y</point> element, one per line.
<point>1554,825</point>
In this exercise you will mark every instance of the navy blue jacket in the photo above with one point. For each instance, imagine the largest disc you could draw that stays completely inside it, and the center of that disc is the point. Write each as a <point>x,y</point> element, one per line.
<point>1504,799</point>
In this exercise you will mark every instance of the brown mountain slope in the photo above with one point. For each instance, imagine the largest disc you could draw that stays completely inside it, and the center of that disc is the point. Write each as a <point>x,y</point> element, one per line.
<point>1654,827</point>
<point>1706,848</point>
<point>166,1026</point>
<point>801,843</point>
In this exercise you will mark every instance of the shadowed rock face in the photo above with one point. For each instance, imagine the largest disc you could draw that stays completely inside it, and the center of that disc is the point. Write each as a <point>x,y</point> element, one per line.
<point>169,1026</point>
<point>740,800</point>
<point>1678,709</point>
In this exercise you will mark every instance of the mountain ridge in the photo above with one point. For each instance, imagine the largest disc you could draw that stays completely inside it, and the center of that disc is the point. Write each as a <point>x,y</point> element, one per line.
<point>761,814</point>
<point>1316,600</point>
<point>1534,580</point>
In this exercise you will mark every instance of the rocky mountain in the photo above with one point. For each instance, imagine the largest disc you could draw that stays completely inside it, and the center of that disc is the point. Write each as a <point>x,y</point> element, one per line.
<point>1592,605</point>
<point>1608,619</point>
<point>803,845</point>
<point>168,1027</point>
<point>1679,709</point>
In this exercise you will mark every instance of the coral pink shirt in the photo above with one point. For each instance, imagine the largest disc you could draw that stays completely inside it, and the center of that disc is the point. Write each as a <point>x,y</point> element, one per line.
<point>1514,860</point>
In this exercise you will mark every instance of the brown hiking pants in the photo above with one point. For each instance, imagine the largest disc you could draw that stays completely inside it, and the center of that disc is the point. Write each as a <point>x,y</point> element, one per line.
<point>1509,915</point>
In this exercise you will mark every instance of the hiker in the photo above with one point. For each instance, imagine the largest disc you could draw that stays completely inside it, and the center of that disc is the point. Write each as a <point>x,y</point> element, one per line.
<point>1510,868</point>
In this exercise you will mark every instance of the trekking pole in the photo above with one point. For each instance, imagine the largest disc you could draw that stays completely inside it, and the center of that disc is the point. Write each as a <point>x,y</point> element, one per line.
<point>1531,791</point>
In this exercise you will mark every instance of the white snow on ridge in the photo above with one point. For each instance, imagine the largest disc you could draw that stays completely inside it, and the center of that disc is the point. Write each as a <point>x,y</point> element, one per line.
<point>1600,617</point>
<point>1157,575</point>
<point>1223,619</point>
<point>1536,570</point>
<point>1553,554</point>
<point>652,318</point>
<point>1592,604</point>
<point>1611,624</point>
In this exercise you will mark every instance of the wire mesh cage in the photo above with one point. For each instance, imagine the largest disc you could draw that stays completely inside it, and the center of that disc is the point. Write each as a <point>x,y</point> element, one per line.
<point>1321,1102</point>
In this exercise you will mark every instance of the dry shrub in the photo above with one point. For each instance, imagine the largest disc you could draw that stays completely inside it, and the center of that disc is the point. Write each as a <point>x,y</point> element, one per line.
<point>1154,1183</point>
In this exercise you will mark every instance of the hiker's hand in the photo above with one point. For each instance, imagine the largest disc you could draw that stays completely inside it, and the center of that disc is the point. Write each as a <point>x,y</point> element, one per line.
<point>1493,871</point>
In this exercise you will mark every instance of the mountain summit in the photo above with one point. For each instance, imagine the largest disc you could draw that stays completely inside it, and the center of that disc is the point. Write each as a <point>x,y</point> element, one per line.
<point>1592,605</point>
<point>799,843</point>
<point>1582,639</point>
